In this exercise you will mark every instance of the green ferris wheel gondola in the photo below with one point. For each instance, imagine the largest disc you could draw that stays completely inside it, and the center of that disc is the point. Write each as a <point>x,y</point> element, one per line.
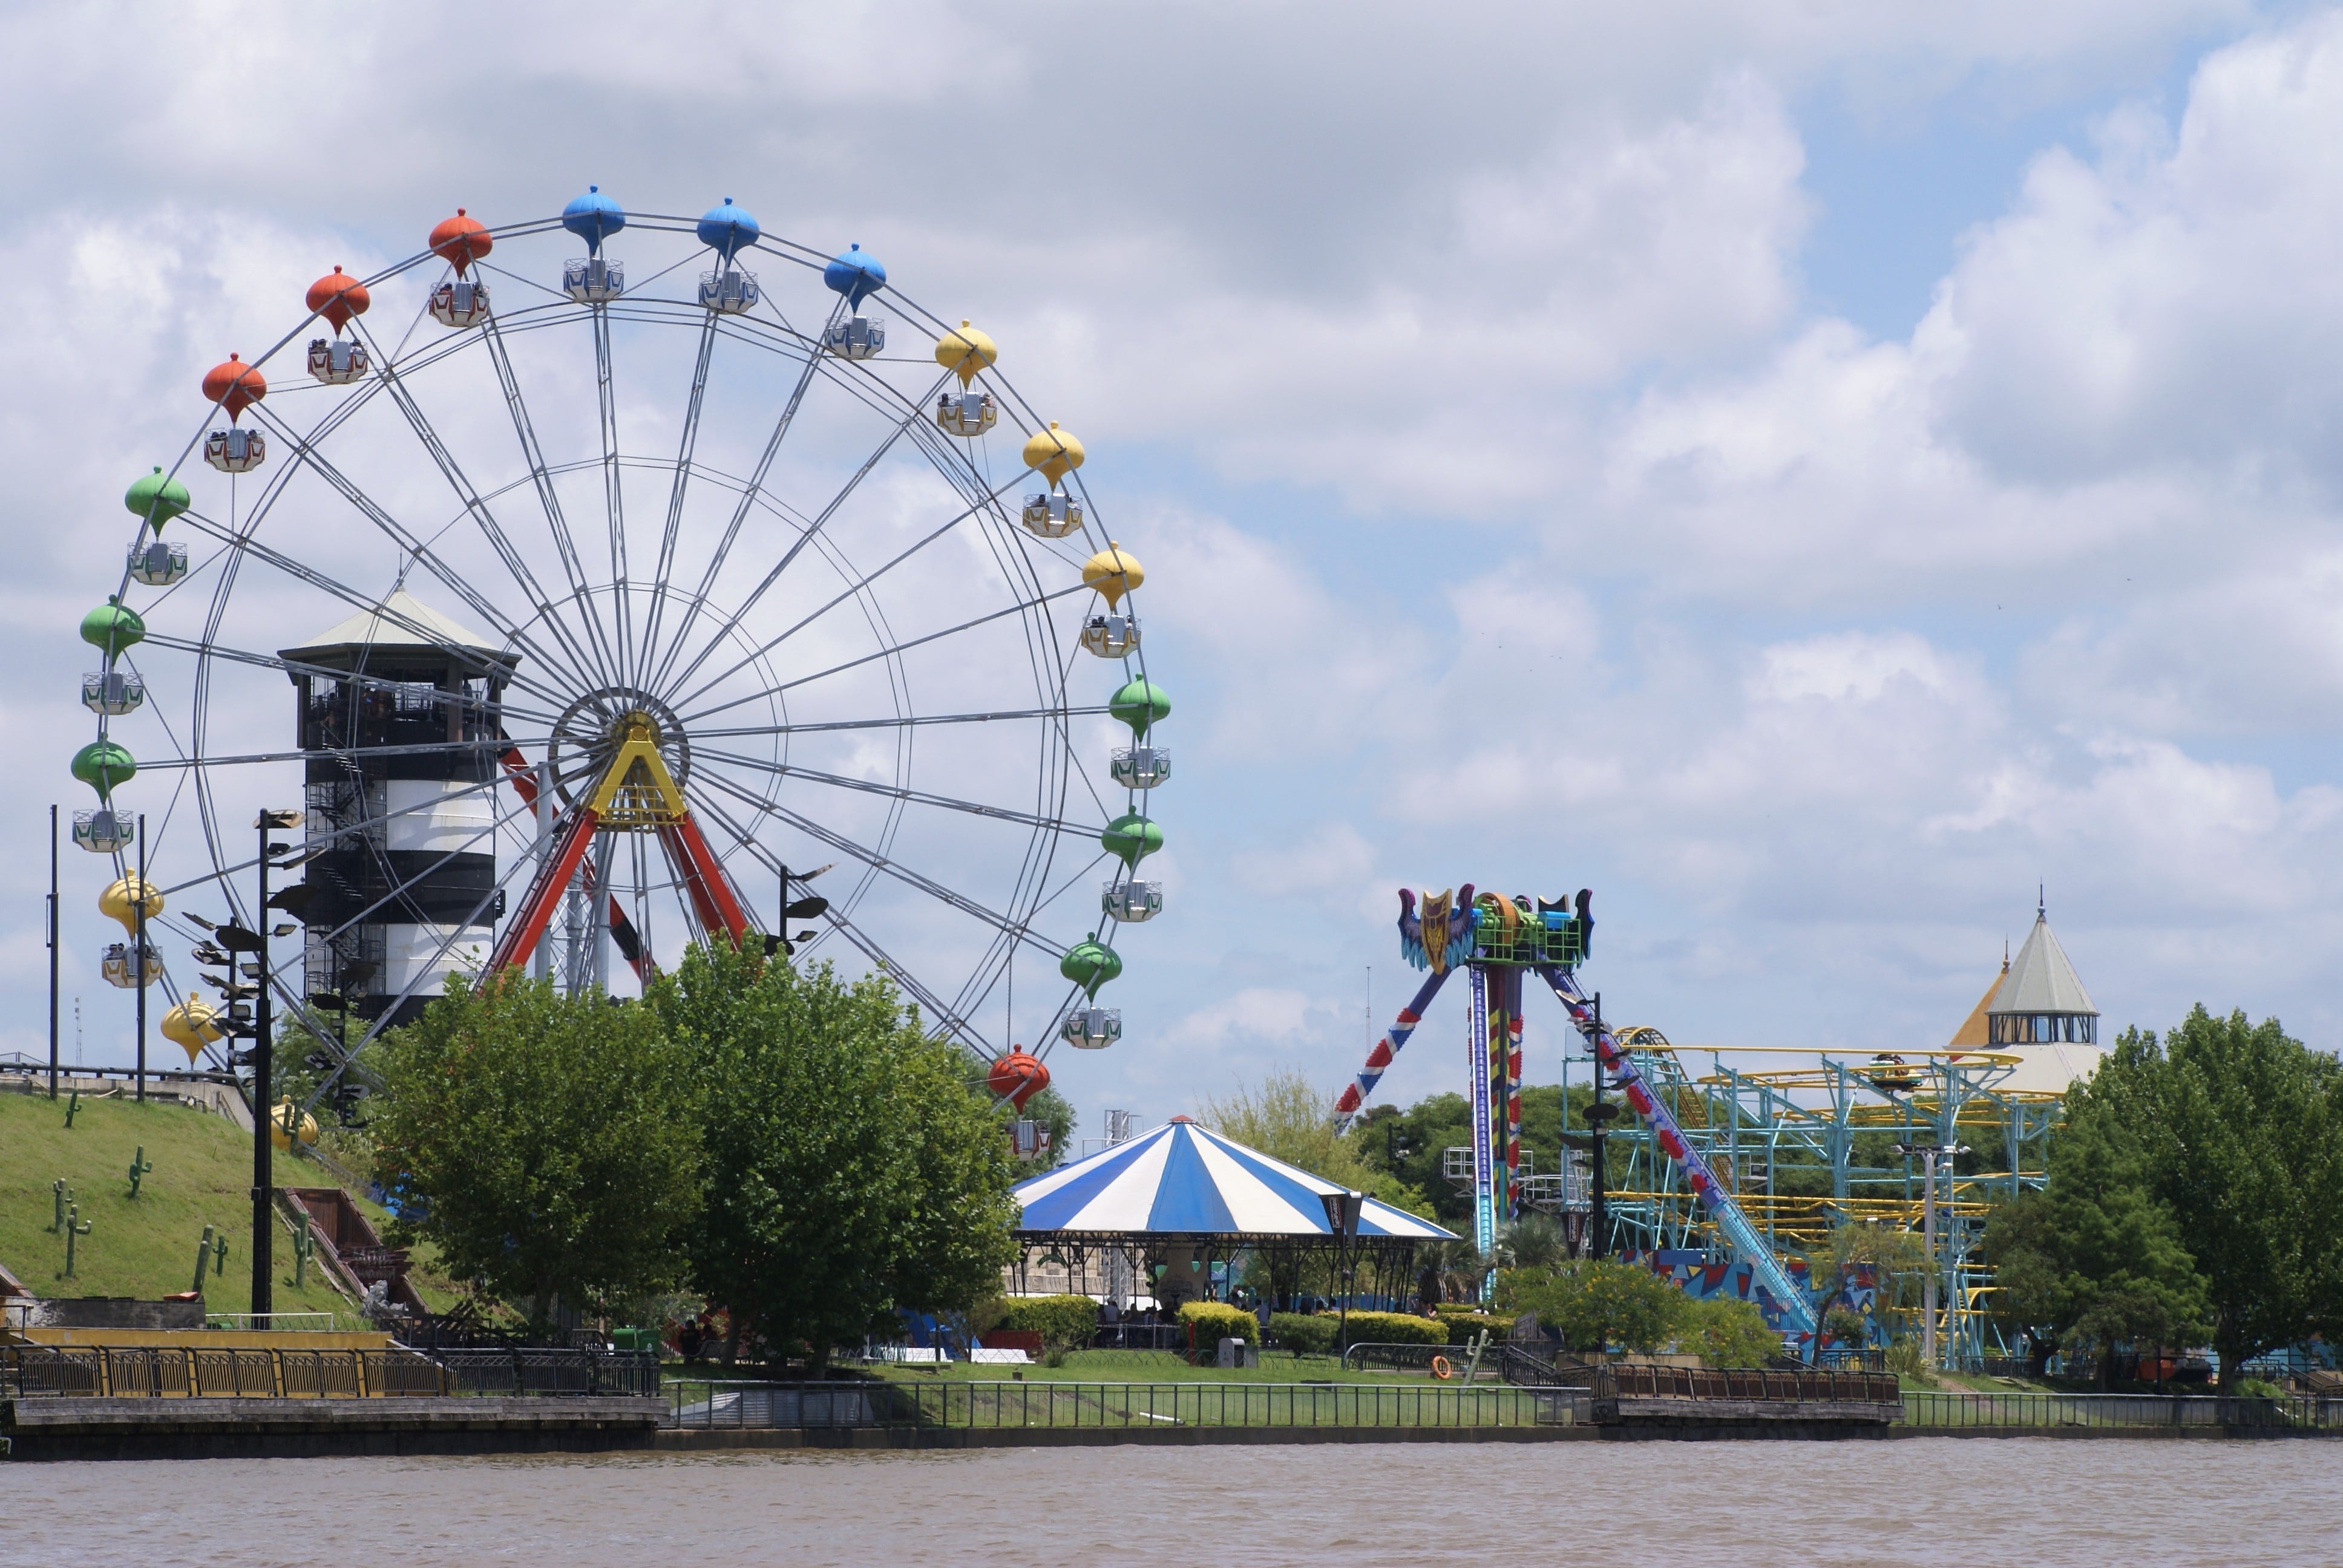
<point>103,764</point>
<point>1141,704</point>
<point>157,498</point>
<point>1090,964</point>
<point>1131,837</point>
<point>113,627</point>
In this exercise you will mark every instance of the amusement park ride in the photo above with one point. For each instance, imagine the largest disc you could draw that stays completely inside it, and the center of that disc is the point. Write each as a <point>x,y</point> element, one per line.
<point>1692,1178</point>
<point>724,592</point>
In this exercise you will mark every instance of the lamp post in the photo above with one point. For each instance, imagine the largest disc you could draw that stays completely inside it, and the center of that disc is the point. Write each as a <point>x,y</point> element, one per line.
<point>1343,1218</point>
<point>263,1112</point>
<point>1598,1115</point>
<point>138,956</point>
<point>1928,1153</point>
<point>53,953</point>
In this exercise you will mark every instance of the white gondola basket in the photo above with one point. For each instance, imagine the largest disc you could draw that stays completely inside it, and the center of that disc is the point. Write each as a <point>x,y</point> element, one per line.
<point>593,279</point>
<point>235,450</point>
<point>1141,767</point>
<point>158,563</point>
<point>1110,636</point>
<point>113,692</point>
<point>105,830</point>
<point>859,339</point>
<point>730,292</point>
<point>121,965</point>
<point>1030,1139</point>
<point>1091,1028</point>
<point>336,361</point>
<point>1131,902</point>
<point>967,414</point>
<point>459,301</point>
<point>1052,516</point>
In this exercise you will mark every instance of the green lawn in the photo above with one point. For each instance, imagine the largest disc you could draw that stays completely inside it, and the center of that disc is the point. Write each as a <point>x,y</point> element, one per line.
<point>147,1248</point>
<point>1161,1366</point>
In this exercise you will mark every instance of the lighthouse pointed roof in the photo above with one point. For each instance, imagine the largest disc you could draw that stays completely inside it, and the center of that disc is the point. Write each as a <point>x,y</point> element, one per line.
<point>400,624</point>
<point>2040,979</point>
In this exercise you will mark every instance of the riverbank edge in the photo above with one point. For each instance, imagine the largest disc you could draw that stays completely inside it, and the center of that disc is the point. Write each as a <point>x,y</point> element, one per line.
<point>888,1439</point>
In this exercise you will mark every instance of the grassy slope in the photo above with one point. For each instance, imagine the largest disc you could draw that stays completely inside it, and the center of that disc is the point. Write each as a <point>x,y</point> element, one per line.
<point>202,1176</point>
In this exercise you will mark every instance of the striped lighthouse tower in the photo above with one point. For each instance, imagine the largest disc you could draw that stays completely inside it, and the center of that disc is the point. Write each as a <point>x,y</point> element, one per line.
<point>398,715</point>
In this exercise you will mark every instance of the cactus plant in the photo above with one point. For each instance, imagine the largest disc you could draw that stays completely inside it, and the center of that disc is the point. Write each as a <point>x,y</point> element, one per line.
<point>75,1226</point>
<point>72,1108</point>
<point>305,1246</point>
<point>203,1253</point>
<point>139,1166</point>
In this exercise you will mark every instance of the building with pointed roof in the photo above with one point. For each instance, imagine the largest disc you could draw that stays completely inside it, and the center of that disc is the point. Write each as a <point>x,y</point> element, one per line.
<point>2037,1010</point>
<point>399,712</point>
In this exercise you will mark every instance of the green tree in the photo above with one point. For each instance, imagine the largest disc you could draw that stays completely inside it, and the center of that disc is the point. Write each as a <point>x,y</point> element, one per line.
<point>1725,1332</point>
<point>2094,1258</point>
<point>1597,1304</point>
<point>2240,1130</point>
<point>552,1141</point>
<point>852,1168</point>
<point>1288,1118</point>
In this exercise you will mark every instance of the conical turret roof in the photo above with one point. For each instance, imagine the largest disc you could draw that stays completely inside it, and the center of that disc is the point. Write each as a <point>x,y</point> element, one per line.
<point>2040,979</point>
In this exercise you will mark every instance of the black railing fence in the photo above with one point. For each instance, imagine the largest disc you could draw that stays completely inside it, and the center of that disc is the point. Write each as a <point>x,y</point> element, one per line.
<point>32,1372</point>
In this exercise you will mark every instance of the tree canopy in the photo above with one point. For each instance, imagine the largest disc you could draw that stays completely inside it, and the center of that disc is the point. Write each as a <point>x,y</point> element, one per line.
<point>852,1167</point>
<point>550,1142</point>
<point>2194,1188</point>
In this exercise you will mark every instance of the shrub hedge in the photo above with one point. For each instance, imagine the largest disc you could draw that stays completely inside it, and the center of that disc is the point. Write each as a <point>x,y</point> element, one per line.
<point>1064,1322</point>
<point>1217,1321</point>
<point>1389,1328</point>
<point>1462,1326</point>
<point>1302,1333</point>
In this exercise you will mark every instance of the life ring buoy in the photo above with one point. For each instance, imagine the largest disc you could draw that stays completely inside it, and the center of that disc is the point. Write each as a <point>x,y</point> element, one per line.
<point>1441,1369</point>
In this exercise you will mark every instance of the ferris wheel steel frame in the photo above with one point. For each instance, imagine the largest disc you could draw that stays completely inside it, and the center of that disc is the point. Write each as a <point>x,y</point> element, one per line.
<point>560,652</point>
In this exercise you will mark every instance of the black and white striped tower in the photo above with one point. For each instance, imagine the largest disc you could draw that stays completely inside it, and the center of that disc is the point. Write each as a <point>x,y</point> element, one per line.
<point>399,718</point>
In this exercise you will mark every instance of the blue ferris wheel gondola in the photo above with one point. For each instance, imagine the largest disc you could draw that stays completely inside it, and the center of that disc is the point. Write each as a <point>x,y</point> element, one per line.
<point>594,218</point>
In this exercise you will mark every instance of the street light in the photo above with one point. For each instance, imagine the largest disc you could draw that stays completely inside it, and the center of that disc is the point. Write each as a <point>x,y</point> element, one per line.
<point>1343,1210</point>
<point>264,1180</point>
<point>1928,1153</point>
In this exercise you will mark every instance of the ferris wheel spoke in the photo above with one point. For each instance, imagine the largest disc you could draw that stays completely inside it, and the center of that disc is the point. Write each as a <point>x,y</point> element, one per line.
<point>888,652</point>
<point>687,446</point>
<point>572,565</point>
<point>402,397</point>
<point>859,586</point>
<point>893,793</point>
<point>438,749</point>
<point>905,721</point>
<point>751,489</point>
<point>878,862</point>
<point>613,495</point>
<point>354,831</point>
<point>838,920</point>
<point>364,681</point>
<point>805,537</point>
<point>422,977</point>
<point>495,825</point>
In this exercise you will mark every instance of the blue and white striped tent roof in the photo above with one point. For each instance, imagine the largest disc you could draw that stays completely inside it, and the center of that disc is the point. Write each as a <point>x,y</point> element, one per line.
<point>1182,1180</point>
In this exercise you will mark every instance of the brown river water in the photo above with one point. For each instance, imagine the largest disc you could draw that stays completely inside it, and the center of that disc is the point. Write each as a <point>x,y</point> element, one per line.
<point>1973,1502</point>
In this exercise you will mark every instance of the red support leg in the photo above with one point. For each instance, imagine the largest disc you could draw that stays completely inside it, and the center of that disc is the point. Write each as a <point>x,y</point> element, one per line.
<point>522,932</point>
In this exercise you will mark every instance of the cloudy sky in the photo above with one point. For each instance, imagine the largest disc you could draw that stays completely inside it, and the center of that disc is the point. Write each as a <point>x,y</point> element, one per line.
<point>1810,472</point>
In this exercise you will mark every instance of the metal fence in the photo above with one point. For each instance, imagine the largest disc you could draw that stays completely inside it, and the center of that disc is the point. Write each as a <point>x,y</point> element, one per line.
<point>1040,1404</point>
<point>33,1371</point>
<point>992,1406</point>
<point>2045,1411</point>
<point>551,1371</point>
<point>175,1372</point>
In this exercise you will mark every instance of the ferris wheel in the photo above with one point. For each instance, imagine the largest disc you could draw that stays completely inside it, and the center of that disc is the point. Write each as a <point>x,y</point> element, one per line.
<point>612,613</point>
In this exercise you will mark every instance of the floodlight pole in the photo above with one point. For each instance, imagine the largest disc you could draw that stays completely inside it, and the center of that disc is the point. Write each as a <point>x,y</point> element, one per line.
<point>138,957</point>
<point>264,1179</point>
<point>1928,1153</point>
<point>53,953</point>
